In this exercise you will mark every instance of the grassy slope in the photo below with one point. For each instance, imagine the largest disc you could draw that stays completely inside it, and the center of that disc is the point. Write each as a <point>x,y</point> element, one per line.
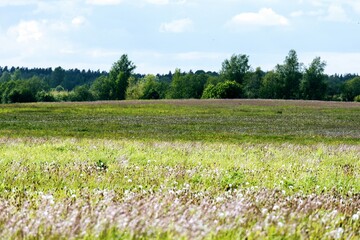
<point>216,169</point>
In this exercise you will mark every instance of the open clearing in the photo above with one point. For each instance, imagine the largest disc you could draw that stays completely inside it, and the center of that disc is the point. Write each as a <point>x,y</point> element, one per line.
<point>216,169</point>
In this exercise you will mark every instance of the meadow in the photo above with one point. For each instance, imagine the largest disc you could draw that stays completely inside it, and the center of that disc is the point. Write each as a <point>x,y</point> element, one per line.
<point>171,169</point>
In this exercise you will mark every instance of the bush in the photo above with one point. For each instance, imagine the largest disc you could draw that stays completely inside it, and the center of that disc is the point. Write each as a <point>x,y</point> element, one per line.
<point>227,89</point>
<point>44,96</point>
<point>81,94</point>
<point>357,98</point>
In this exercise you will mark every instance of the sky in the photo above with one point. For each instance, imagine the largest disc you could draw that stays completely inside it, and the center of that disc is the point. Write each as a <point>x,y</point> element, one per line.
<point>162,35</point>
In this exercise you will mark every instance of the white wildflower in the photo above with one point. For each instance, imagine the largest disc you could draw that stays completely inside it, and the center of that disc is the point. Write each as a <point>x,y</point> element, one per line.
<point>355,217</point>
<point>276,207</point>
<point>264,211</point>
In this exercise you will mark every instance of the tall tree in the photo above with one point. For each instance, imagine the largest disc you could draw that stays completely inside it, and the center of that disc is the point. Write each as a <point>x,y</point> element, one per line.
<point>119,76</point>
<point>252,83</point>
<point>271,86</point>
<point>313,85</point>
<point>290,76</point>
<point>57,77</point>
<point>235,68</point>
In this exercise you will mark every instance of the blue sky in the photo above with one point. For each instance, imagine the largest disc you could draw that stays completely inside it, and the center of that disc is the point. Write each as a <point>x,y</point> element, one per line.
<point>161,35</point>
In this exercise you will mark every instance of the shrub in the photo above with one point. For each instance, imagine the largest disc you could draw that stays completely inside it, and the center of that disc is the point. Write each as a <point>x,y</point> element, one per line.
<point>227,89</point>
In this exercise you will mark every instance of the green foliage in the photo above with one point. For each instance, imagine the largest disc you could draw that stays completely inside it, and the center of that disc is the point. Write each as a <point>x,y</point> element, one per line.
<point>81,94</point>
<point>119,76</point>
<point>44,96</point>
<point>57,77</point>
<point>148,87</point>
<point>312,85</point>
<point>102,88</point>
<point>252,83</point>
<point>22,90</point>
<point>357,98</point>
<point>5,77</point>
<point>290,76</point>
<point>271,87</point>
<point>187,85</point>
<point>227,89</point>
<point>235,68</point>
<point>351,89</point>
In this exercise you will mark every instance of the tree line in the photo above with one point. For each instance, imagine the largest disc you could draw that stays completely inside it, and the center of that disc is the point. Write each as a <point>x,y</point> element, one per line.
<point>236,79</point>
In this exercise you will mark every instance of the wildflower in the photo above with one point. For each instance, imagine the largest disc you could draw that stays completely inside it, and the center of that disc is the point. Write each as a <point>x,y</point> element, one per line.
<point>276,207</point>
<point>219,199</point>
<point>355,217</point>
<point>264,211</point>
<point>337,234</point>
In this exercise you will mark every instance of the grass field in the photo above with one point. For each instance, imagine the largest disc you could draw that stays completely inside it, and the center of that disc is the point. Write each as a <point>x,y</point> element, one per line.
<point>216,169</point>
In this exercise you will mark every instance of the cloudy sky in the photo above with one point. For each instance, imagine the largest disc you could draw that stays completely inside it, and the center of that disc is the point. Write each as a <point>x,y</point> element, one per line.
<point>161,35</point>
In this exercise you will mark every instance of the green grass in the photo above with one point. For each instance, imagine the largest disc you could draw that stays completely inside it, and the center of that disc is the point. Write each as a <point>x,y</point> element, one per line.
<point>229,121</point>
<point>180,170</point>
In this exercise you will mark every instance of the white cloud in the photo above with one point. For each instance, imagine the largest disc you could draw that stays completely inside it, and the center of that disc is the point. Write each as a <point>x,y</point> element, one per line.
<point>337,62</point>
<point>177,26</point>
<point>16,2</point>
<point>158,2</point>
<point>336,13</point>
<point>103,2</point>
<point>78,21</point>
<point>265,17</point>
<point>26,31</point>
<point>297,14</point>
<point>200,56</point>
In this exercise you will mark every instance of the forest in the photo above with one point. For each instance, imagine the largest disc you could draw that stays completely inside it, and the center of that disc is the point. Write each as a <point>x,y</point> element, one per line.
<point>236,79</point>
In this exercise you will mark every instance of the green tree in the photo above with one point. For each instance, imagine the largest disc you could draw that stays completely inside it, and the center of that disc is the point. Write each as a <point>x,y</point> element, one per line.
<point>271,86</point>
<point>313,85</point>
<point>351,89</point>
<point>5,77</point>
<point>189,85</point>
<point>290,76</point>
<point>57,77</point>
<point>252,83</point>
<point>225,90</point>
<point>119,76</point>
<point>235,68</point>
<point>146,88</point>
<point>81,94</point>
<point>102,88</point>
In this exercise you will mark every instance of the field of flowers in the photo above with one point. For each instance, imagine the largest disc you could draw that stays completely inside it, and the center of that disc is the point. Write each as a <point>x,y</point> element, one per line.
<point>180,170</point>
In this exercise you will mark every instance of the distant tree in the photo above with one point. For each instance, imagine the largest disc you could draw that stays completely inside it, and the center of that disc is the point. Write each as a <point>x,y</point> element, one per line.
<point>16,75</point>
<point>252,83</point>
<point>81,94</point>
<point>57,77</point>
<point>313,85</point>
<point>148,87</point>
<point>225,90</point>
<point>5,77</point>
<point>351,89</point>
<point>187,85</point>
<point>290,76</point>
<point>235,68</point>
<point>119,76</point>
<point>44,96</point>
<point>271,86</point>
<point>102,88</point>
